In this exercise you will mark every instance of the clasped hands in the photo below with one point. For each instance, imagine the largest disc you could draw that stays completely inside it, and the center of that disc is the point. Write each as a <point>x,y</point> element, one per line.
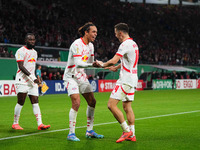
<point>100,64</point>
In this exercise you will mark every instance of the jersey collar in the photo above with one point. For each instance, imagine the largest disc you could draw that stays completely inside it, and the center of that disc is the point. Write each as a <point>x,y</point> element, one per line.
<point>83,41</point>
<point>128,39</point>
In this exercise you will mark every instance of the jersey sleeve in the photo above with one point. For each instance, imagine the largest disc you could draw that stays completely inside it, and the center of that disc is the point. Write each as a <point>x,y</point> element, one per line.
<point>121,50</point>
<point>76,50</point>
<point>19,55</point>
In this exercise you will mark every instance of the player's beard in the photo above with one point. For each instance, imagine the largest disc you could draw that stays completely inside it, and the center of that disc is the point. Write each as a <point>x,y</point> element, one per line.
<point>30,46</point>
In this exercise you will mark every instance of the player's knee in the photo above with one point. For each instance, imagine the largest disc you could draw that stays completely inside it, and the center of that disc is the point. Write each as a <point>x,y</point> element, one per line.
<point>20,102</point>
<point>76,103</point>
<point>127,109</point>
<point>34,101</point>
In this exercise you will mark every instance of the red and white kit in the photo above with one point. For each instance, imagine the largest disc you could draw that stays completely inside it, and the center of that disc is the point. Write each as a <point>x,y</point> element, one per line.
<point>22,82</point>
<point>80,56</point>
<point>127,82</point>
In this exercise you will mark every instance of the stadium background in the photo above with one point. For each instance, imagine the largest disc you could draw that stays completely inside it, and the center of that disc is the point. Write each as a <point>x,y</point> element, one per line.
<point>167,33</point>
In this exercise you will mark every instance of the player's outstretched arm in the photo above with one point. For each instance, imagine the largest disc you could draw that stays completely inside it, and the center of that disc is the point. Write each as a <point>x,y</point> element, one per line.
<point>80,64</point>
<point>97,64</point>
<point>113,68</point>
<point>110,62</point>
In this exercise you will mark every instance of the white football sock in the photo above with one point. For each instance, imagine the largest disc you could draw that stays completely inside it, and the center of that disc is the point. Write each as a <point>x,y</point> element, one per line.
<point>17,112</point>
<point>90,117</point>
<point>72,120</point>
<point>37,113</point>
<point>132,128</point>
<point>125,127</point>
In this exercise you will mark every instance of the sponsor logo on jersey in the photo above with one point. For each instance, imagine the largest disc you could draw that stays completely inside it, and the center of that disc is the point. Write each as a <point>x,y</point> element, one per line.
<point>31,60</point>
<point>85,52</point>
<point>85,58</point>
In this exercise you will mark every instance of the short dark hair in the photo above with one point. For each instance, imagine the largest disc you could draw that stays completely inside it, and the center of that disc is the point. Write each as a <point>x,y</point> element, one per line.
<point>28,35</point>
<point>122,27</point>
<point>85,27</point>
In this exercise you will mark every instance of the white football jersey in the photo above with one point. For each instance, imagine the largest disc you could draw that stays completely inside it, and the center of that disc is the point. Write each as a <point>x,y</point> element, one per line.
<point>129,52</point>
<point>79,53</point>
<point>29,58</point>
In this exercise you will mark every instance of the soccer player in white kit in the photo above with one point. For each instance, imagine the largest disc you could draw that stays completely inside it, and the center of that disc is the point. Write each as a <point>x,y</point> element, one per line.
<point>26,82</point>
<point>125,86</point>
<point>81,55</point>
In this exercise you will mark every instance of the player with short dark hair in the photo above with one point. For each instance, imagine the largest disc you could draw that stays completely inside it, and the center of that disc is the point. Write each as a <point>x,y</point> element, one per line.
<point>26,82</point>
<point>81,55</point>
<point>125,86</point>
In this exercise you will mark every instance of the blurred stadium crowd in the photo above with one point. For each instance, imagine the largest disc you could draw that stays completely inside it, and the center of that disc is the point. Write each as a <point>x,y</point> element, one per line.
<point>168,35</point>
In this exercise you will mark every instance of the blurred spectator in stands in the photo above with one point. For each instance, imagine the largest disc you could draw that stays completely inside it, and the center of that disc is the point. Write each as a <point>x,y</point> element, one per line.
<point>178,75</point>
<point>193,75</point>
<point>169,76</point>
<point>58,76</point>
<point>44,76</point>
<point>50,75</point>
<point>173,77</point>
<point>153,75</point>
<point>5,52</point>
<point>186,75</point>
<point>199,75</point>
<point>11,54</point>
<point>164,76</point>
<point>157,74</point>
<point>161,38</point>
<point>6,39</point>
<point>54,76</point>
<point>1,51</point>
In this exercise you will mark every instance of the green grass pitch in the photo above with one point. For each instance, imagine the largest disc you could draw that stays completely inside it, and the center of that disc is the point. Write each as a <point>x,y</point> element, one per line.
<point>165,120</point>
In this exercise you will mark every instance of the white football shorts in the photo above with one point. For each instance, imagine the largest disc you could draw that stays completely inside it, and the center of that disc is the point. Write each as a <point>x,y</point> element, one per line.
<point>74,87</point>
<point>31,90</point>
<point>123,92</point>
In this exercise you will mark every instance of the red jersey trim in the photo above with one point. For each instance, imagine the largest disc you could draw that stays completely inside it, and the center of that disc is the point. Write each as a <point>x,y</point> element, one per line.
<point>126,69</point>
<point>92,54</point>
<point>67,85</point>
<point>126,92</point>
<point>133,71</point>
<point>71,66</point>
<point>128,39</point>
<point>18,71</point>
<point>26,47</point>
<point>83,41</point>
<point>77,55</point>
<point>119,54</point>
<point>19,60</point>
